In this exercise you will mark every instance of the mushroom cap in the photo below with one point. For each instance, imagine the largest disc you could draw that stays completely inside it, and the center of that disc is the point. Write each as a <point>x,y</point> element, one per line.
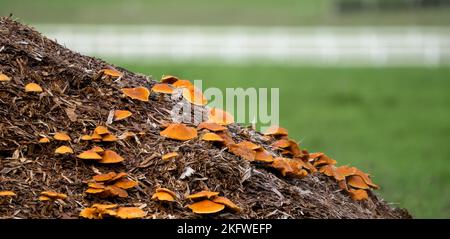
<point>86,137</point>
<point>7,194</point>
<point>109,138</point>
<point>182,84</point>
<point>64,150</point>
<point>104,177</point>
<point>281,144</point>
<point>194,96</point>
<point>206,207</point>
<point>110,156</point>
<point>4,77</point>
<point>163,196</point>
<point>227,202</point>
<point>162,88</point>
<point>125,183</point>
<point>275,130</point>
<point>344,171</point>
<point>179,132</point>
<point>242,151</point>
<point>97,149</point>
<point>54,195</point>
<point>62,136</point>
<point>101,130</point>
<point>249,145</point>
<point>167,191</point>
<point>33,87</point>
<point>212,137</point>
<point>44,140</point>
<point>357,182</point>
<point>263,155</point>
<point>211,126</point>
<point>219,116</point>
<point>121,114</point>
<point>138,93</point>
<point>358,194</point>
<point>323,159</point>
<point>89,154</point>
<point>90,213</point>
<point>112,72</point>
<point>203,194</point>
<point>130,213</point>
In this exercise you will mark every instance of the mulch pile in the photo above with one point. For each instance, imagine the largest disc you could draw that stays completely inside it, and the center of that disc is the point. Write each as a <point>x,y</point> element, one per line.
<point>75,100</point>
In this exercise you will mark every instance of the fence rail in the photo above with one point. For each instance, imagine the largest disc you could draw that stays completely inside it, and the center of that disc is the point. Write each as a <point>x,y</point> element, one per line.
<point>379,46</point>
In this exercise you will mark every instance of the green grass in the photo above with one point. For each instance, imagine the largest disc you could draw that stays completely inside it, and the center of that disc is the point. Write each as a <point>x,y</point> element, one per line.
<point>204,12</point>
<point>393,123</point>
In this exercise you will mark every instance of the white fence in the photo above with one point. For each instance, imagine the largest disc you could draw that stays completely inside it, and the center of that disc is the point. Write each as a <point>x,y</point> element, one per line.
<point>374,46</point>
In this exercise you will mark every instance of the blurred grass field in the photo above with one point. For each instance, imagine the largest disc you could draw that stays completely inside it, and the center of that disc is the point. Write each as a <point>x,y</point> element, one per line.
<point>393,123</point>
<point>204,12</point>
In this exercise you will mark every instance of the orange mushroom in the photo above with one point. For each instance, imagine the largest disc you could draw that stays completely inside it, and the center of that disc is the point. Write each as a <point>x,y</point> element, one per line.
<point>64,150</point>
<point>101,130</point>
<point>110,156</point>
<point>163,196</point>
<point>104,177</point>
<point>281,144</point>
<point>169,155</point>
<point>116,191</point>
<point>211,126</point>
<point>218,116</point>
<point>162,88</point>
<point>7,194</point>
<point>121,114</point>
<point>275,130</point>
<point>167,191</point>
<point>179,132</point>
<point>138,93</point>
<point>90,213</point>
<point>89,154</point>
<point>182,84</point>
<point>194,96</point>
<point>62,137</point>
<point>109,138</point>
<point>98,149</point>
<point>125,183</point>
<point>263,155</point>
<point>242,151</point>
<point>51,195</point>
<point>323,160</point>
<point>344,171</point>
<point>44,140</point>
<point>203,194</point>
<point>96,137</point>
<point>206,207</point>
<point>212,137</point>
<point>4,78</point>
<point>130,213</point>
<point>357,182</point>
<point>283,165</point>
<point>86,137</point>
<point>249,145</point>
<point>227,202</point>
<point>33,87</point>
<point>358,194</point>
<point>112,72</point>
<point>119,176</point>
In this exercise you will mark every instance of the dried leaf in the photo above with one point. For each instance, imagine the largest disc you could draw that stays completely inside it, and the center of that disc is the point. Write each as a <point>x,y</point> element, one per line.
<point>169,155</point>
